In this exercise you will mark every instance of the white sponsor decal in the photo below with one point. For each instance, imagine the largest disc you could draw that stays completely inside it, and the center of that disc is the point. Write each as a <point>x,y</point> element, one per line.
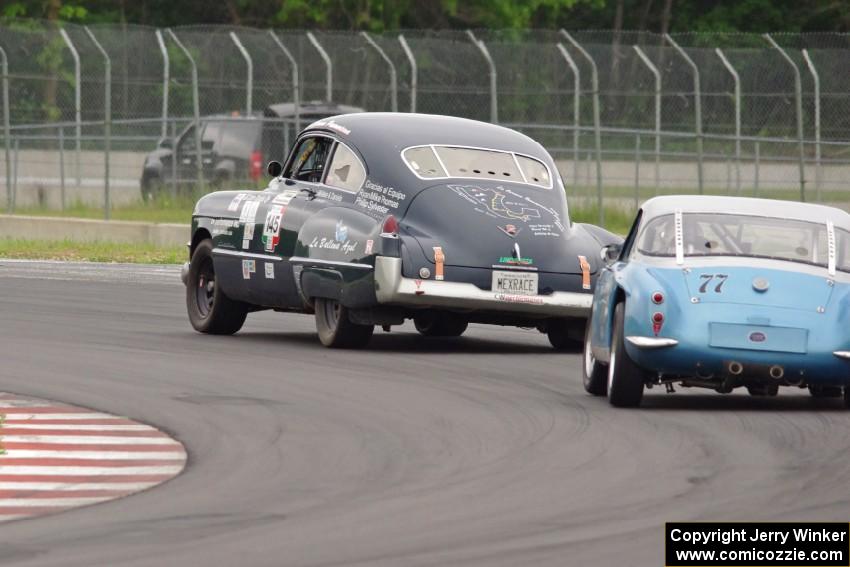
<point>271,227</point>
<point>223,226</point>
<point>378,198</point>
<point>235,202</point>
<point>332,125</point>
<point>269,267</point>
<point>369,245</point>
<point>248,268</point>
<point>249,212</point>
<point>346,247</point>
<point>285,196</point>
<point>247,236</point>
<point>511,298</point>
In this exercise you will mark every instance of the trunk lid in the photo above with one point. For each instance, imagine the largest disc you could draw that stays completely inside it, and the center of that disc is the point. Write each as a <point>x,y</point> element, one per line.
<point>479,224</point>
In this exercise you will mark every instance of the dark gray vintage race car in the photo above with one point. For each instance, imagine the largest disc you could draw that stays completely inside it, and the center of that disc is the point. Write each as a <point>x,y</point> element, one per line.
<point>377,218</point>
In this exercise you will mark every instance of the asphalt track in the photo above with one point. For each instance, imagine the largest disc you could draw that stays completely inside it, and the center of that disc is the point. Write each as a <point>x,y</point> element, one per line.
<point>478,451</point>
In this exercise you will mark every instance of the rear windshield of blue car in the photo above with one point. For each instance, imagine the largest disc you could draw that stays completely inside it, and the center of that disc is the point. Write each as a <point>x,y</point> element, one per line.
<point>720,234</point>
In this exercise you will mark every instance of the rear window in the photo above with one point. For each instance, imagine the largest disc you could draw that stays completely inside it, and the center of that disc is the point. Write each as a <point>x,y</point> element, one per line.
<point>441,162</point>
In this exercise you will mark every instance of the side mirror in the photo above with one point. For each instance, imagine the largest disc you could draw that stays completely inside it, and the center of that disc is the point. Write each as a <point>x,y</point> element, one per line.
<point>165,143</point>
<point>274,168</point>
<point>611,253</point>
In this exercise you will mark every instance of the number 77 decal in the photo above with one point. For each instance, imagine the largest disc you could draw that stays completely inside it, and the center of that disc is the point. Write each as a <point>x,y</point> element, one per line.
<point>707,278</point>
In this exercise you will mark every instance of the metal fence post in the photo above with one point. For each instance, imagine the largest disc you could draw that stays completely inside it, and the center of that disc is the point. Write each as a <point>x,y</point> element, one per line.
<point>78,109</point>
<point>249,63</point>
<point>654,70</point>
<point>737,80</point>
<point>494,100</point>
<point>697,108</point>
<point>196,110</point>
<point>597,132</point>
<point>166,71</point>
<point>389,62</point>
<point>329,76</point>
<point>7,129</point>
<point>798,93</point>
<point>107,121</point>
<point>816,79</point>
<point>414,71</point>
<point>296,98</point>
<point>637,171</point>
<point>576,107</point>
<point>757,151</point>
<point>62,166</point>
<point>173,158</point>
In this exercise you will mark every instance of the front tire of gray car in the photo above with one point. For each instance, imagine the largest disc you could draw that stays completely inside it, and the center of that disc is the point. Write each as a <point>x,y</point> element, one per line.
<point>151,188</point>
<point>335,327</point>
<point>210,310</point>
<point>565,334</point>
<point>820,391</point>
<point>595,373</point>
<point>625,378</point>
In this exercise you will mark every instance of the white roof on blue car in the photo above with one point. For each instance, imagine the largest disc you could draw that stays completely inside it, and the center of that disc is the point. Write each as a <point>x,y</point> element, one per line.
<point>793,210</point>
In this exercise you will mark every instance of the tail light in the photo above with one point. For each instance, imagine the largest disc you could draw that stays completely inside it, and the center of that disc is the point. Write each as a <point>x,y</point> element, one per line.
<point>658,298</point>
<point>657,322</point>
<point>390,226</point>
<point>255,170</point>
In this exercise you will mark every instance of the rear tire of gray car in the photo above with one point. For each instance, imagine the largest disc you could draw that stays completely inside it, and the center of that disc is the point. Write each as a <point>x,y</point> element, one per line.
<point>431,324</point>
<point>595,374</point>
<point>151,188</point>
<point>210,310</point>
<point>847,397</point>
<point>818,391</point>
<point>565,335</point>
<point>335,327</point>
<point>763,390</point>
<point>625,378</point>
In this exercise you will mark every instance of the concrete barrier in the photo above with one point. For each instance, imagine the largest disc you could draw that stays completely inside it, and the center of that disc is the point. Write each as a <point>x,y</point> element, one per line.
<point>90,230</point>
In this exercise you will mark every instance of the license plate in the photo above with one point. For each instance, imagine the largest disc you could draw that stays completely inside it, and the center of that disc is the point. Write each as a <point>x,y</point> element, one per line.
<point>515,283</point>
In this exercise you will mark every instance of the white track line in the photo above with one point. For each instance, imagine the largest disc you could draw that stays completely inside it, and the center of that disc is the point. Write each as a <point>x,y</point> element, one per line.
<point>104,455</point>
<point>72,427</point>
<point>88,471</point>
<point>60,486</point>
<point>87,440</point>
<point>52,502</point>
<point>13,417</point>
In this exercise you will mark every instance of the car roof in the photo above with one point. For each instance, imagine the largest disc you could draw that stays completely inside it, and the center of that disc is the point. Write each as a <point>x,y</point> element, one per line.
<point>792,210</point>
<point>396,130</point>
<point>286,109</point>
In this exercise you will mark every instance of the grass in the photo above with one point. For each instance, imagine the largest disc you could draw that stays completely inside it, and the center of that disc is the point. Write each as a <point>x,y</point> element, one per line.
<point>165,209</point>
<point>91,251</point>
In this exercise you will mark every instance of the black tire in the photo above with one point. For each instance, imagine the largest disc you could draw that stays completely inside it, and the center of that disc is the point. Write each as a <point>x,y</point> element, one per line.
<point>335,327</point>
<point>151,188</point>
<point>594,373</point>
<point>847,397</point>
<point>566,335</point>
<point>210,311</point>
<point>435,324</point>
<point>819,391</point>
<point>625,378</point>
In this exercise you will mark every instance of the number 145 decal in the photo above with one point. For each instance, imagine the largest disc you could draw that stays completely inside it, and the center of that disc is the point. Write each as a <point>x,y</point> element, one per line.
<point>719,280</point>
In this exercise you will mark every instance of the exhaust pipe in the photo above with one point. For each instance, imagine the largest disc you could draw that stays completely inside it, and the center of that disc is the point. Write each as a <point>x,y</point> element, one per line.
<point>777,372</point>
<point>736,368</point>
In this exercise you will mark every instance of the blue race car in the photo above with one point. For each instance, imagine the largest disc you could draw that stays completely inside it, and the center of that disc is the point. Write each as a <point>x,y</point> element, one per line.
<point>723,292</point>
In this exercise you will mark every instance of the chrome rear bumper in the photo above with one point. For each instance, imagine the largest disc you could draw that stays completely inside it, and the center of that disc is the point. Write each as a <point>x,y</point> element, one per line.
<point>392,288</point>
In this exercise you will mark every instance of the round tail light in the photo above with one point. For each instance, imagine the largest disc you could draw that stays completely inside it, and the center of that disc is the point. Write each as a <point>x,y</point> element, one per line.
<point>658,317</point>
<point>657,297</point>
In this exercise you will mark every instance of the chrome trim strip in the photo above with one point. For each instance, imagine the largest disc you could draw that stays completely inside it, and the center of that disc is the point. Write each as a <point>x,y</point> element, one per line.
<point>845,354</point>
<point>830,247</point>
<point>513,267</point>
<point>334,263</point>
<point>447,176</point>
<point>392,288</point>
<point>240,254</point>
<point>652,342</point>
<point>680,246</point>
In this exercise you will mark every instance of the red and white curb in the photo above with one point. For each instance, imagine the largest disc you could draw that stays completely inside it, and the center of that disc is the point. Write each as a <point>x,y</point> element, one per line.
<point>59,456</point>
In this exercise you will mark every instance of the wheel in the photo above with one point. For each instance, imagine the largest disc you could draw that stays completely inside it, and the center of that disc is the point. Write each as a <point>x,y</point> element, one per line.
<point>335,328</point>
<point>435,324</point>
<point>763,390</point>
<point>594,372</point>
<point>210,311</point>
<point>625,378</point>
<point>565,335</point>
<point>151,188</point>
<point>820,391</point>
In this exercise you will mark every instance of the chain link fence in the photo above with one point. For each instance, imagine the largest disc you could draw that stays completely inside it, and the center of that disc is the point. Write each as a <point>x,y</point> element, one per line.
<point>626,115</point>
